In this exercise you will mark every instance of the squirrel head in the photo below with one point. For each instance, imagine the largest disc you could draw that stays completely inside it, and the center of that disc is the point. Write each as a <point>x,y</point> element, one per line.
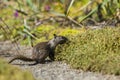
<point>59,39</point>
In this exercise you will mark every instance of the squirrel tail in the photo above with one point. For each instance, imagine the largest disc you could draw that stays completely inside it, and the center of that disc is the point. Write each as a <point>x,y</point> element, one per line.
<point>21,57</point>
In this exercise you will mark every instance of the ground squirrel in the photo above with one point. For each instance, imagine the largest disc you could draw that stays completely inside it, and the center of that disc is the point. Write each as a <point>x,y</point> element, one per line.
<point>42,50</point>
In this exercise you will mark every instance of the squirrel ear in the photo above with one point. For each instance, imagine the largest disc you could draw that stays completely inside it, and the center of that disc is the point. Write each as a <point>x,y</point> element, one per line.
<point>55,35</point>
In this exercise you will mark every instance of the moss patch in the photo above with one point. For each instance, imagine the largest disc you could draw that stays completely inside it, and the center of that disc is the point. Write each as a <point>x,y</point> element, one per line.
<point>94,50</point>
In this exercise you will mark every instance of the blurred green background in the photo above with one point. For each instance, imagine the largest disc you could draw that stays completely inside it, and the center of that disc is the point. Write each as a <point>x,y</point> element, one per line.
<point>31,21</point>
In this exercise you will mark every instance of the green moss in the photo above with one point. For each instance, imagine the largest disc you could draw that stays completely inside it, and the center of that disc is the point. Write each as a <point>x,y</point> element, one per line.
<point>9,72</point>
<point>45,28</point>
<point>71,32</point>
<point>94,50</point>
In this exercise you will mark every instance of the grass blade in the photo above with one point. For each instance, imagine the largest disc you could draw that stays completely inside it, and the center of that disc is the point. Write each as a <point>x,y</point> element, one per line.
<point>68,6</point>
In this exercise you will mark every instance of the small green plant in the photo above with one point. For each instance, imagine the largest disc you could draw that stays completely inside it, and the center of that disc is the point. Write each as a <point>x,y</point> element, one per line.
<point>9,72</point>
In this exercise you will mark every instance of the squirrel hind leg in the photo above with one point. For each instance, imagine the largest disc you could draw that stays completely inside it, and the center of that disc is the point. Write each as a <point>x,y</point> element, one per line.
<point>41,61</point>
